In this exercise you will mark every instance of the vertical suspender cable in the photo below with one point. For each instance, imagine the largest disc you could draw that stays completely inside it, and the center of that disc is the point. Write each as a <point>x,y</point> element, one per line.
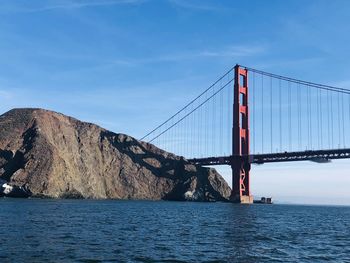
<point>179,135</point>
<point>298,111</point>
<point>163,138</point>
<point>160,140</point>
<point>170,140</point>
<point>321,117</point>
<point>190,119</point>
<point>300,118</point>
<point>191,142</point>
<point>311,121</point>
<point>280,112</point>
<point>339,120</point>
<point>199,131</point>
<point>166,137</point>
<point>262,113</point>
<point>186,135</point>
<point>206,125</point>
<point>332,122</point>
<point>318,119</point>
<point>228,128</point>
<point>254,111</point>
<point>349,109</point>
<point>180,130</point>
<point>194,142</point>
<point>289,116</point>
<point>308,118</point>
<point>175,138</point>
<point>343,120</point>
<point>221,122</point>
<point>179,142</point>
<point>271,115</point>
<point>328,121</point>
<point>214,122</point>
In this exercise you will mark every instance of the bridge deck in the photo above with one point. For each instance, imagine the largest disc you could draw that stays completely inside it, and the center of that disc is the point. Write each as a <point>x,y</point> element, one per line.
<point>320,156</point>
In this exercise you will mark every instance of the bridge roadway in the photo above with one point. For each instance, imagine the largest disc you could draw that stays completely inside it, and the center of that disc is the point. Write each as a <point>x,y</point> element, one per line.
<point>319,156</point>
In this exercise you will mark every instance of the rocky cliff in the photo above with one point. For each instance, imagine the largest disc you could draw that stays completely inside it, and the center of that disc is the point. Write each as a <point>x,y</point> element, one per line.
<point>52,155</point>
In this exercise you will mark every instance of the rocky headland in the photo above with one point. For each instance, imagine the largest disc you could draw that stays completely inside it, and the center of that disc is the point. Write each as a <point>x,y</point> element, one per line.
<point>48,154</point>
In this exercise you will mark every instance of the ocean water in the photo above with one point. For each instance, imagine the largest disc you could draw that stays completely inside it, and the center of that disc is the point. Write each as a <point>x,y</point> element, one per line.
<point>34,230</point>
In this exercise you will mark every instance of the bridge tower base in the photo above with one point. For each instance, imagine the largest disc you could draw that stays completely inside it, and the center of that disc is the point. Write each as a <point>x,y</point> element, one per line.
<point>243,200</point>
<point>240,139</point>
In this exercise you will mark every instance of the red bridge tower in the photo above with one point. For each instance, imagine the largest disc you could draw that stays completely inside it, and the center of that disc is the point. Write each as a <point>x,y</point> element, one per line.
<point>240,139</point>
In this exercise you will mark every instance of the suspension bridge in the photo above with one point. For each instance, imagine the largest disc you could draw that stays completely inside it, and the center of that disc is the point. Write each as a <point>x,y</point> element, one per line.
<point>251,116</point>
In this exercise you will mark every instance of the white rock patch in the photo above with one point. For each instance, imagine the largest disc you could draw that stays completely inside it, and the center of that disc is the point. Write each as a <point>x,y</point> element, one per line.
<point>7,189</point>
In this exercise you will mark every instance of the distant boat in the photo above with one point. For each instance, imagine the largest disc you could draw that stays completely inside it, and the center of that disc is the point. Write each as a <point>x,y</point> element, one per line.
<point>264,200</point>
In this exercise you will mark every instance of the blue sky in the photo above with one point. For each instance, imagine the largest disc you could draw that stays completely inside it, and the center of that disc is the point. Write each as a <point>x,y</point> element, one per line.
<point>128,64</point>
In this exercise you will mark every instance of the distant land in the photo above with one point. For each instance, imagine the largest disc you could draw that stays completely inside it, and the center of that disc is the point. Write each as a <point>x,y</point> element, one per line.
<point>48,154</point>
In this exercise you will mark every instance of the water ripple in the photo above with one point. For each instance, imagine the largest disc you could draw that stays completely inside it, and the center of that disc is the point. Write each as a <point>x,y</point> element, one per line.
<point>140,231</point>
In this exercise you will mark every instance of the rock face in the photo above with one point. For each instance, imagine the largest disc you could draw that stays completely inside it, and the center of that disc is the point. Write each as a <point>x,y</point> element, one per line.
<point>52,155</point>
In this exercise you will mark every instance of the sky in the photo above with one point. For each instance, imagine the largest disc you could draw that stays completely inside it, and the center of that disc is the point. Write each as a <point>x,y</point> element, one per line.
<point>126,65</point>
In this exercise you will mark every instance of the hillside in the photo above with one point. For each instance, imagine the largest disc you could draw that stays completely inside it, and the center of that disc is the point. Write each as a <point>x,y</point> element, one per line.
<point>52,155</point>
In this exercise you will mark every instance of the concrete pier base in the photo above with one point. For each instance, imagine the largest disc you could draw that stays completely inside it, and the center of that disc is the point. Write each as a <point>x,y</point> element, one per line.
<point>244,199</point>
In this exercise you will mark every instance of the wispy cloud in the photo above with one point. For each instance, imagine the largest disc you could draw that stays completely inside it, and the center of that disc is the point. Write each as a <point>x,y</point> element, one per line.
<point>288,63</point>
<point>229,53</point>
<point>226,52</point>
<point>5,94</point>
<point>97,64</point>
<point>233,51</point>
<point>196,5</point>
<point>71,4</point>
<point>345,84</point>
